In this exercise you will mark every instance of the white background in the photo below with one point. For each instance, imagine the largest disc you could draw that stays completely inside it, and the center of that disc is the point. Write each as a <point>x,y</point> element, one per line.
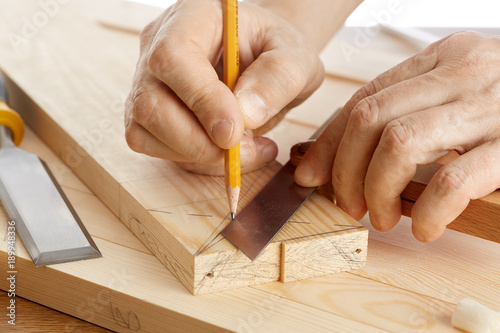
<point>432,13</point>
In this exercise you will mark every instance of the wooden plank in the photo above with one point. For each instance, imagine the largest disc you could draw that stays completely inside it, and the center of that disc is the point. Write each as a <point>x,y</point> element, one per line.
<point>129,289</point>
<point>480,218</point>
<point>176,214</point>
<point>35,318</point>
<point>417,284</point>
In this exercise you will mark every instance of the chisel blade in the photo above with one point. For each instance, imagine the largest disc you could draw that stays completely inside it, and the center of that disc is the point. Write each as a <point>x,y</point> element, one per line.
<point>45,220</point>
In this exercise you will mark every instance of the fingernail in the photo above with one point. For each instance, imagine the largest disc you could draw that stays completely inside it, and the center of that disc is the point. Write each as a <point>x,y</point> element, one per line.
<point>269,153</point>
<point>222,130</point>
<point>252,105</point>
<point>245,155</point>
<point>305,172</point>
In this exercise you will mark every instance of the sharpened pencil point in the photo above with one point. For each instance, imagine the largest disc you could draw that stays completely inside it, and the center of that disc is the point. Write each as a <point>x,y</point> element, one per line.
<point>233,215</point>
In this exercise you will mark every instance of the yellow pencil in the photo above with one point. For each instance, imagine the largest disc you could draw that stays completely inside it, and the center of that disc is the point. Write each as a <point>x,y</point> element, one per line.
<point>231,71</point>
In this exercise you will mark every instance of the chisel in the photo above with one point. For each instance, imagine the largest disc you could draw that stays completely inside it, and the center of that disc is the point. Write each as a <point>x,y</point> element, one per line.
<point>44,219</point>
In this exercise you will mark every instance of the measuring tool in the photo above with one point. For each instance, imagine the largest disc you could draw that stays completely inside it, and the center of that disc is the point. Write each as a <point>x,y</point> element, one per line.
<point>261,220</point>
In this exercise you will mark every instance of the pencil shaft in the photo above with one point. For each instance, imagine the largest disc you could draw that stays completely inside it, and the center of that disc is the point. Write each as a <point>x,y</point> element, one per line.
<point>231,72</point>
<point>230,55</point>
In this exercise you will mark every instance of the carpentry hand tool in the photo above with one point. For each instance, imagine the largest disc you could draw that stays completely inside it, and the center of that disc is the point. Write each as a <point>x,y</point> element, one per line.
<point>47,223</point>
<point>261,220</point>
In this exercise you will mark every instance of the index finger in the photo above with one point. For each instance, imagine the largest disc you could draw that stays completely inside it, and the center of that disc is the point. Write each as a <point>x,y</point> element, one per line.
<point>183,54</point>
<point>316,165</point>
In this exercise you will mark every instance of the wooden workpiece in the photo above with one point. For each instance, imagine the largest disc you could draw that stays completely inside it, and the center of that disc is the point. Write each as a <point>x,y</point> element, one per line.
<point>405,286</point>
<point>78,109</point>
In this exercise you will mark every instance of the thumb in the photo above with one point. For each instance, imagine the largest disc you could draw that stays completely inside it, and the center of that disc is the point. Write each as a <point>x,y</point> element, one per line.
<point>256,152</point>
<point>275,80</point>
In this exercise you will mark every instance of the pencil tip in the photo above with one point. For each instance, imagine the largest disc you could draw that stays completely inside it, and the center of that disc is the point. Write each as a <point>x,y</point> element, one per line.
<point>233,215</point>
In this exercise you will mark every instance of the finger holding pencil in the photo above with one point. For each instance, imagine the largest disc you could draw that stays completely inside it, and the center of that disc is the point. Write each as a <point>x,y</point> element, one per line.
<point>231,61</point>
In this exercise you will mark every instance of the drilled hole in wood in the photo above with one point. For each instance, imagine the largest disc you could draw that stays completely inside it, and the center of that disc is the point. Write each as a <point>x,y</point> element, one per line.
<point>210,274</point>
<point>358,250</point>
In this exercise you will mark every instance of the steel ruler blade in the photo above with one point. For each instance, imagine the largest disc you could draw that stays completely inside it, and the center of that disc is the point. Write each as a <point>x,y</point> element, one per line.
<point>269,211</point>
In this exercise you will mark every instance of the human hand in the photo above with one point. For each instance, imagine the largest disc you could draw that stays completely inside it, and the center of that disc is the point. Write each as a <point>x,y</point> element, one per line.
<point>178,109</point>
<point>445,98</point>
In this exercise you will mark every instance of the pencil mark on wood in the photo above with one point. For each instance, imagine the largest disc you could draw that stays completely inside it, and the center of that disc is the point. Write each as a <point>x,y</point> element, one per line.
<point>214,242</point>
<point>344,225</point>
<point>324,233</point>
<point>212,237</point>
<point>159,211</point>
<point>219,265</point>
<point>201,215</point>
<point>301,222</point>
<point>151,243</point>
<point>126,319</point>
<point>253,183</point>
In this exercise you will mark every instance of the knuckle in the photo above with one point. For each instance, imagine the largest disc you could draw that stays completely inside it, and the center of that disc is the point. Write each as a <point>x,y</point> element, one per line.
<point>197,153</point>
<point>200,99</point>
<point>451,179</point>
<point>365,114</point>
<point>372,87</point>
<point>368,89</point>
<point>147,31</point>
<point>288,73</point>
<point>398,137</point>
<point>144,107</point>
<point>338,181</point>
<point>160,58</point>
<point>135,138</point>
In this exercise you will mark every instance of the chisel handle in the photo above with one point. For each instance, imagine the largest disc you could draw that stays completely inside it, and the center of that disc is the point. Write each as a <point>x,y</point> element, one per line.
<point>13,121</point>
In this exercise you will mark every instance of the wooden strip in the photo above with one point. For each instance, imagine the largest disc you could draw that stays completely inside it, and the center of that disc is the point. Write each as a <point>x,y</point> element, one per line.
<point>481,218</point>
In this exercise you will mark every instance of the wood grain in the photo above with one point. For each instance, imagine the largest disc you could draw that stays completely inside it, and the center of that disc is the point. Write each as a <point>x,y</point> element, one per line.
<point>416,284</point>
<point>129,289</point>
<point>176,214</point>
<point>34,318</point>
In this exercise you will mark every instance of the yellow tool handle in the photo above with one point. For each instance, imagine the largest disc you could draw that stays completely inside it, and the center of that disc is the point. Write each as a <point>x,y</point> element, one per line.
<point>13,121</point>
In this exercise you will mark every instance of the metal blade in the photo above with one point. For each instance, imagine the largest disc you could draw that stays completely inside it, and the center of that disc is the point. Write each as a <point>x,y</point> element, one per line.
<point>260,220</point>
<point>48,225</point>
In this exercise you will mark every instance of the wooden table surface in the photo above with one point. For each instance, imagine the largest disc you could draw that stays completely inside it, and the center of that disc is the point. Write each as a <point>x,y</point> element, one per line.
<point>405,287</point>
<point>33,317</point>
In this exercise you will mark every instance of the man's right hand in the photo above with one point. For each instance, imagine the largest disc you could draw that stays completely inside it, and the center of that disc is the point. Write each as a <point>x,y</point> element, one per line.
<point>178,109</point>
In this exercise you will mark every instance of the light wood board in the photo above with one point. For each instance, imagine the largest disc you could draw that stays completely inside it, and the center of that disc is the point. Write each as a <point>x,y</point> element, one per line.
<point>405,287</point>
<point>72,94</point>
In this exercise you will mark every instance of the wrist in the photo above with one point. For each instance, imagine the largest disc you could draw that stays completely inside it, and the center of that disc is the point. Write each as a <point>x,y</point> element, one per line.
<point>318,22</point>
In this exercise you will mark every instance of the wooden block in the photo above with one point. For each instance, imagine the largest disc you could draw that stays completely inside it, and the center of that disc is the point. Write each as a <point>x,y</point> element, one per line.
<point>481,218</point>
<point>72,95</point>
<point>341,248</point>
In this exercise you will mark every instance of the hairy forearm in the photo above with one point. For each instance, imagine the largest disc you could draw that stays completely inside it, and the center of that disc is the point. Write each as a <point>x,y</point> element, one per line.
<point>317,19</point>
